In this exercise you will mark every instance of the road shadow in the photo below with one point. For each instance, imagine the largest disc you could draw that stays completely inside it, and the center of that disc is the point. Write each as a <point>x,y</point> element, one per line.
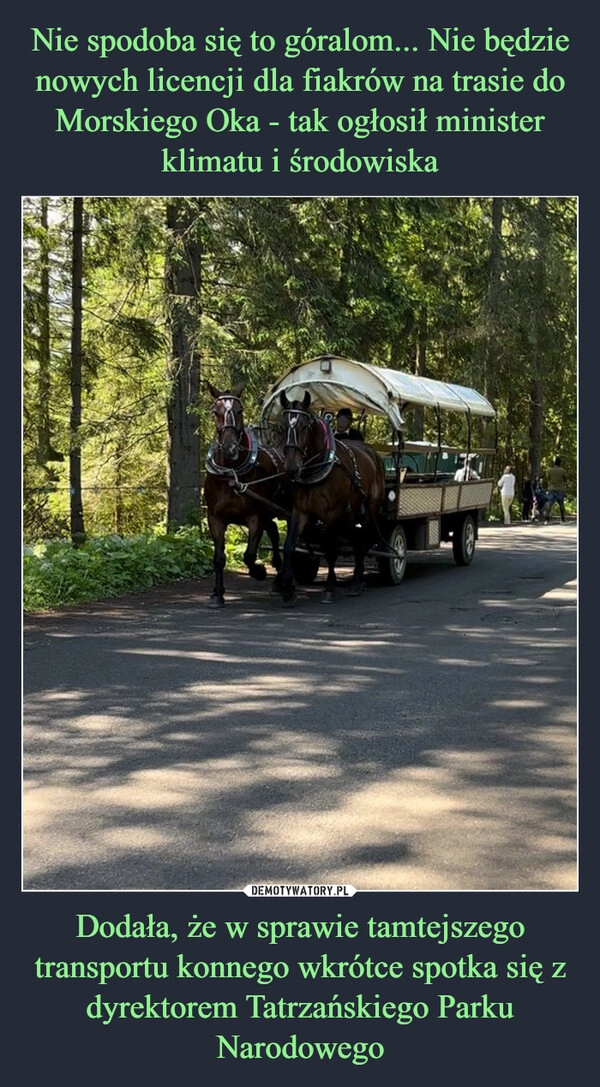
<point>419,737</point>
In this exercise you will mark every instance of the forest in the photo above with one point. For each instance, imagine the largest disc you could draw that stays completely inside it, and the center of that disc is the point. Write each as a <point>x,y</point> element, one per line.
<point>131,304</point>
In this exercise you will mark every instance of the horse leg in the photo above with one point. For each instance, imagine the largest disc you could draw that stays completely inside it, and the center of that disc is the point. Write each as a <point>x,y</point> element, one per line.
<point>273,533</point>
<point>331,552</point>
<point>286,574</point>
<point>360,547</point>
<point>217,531</point>
<point>255,531</point>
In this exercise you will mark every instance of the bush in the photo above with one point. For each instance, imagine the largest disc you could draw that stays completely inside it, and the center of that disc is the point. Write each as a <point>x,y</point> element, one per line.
<point>55,573</point>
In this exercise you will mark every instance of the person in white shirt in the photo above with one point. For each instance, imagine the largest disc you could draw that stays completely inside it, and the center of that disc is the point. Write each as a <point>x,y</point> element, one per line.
<point>506,486</point>
<point>466,472</point>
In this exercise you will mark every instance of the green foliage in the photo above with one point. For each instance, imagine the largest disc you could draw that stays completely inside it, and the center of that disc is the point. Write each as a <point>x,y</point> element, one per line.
<point>236,543</point>
<point>475,290</point>
<point>55,573</point>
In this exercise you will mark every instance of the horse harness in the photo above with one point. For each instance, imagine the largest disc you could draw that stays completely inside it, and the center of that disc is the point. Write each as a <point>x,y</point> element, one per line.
<point>235,473</point>
<point>227,470</point>
<point>226,399</point>
<point>316,473</point>
<point>312,472</point>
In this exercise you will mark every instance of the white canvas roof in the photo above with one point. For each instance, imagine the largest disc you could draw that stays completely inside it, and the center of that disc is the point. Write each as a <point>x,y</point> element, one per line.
<point>335,382</point>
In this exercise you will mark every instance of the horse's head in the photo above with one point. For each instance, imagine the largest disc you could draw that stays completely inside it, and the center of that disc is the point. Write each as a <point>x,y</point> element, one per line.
<point>229,419</point>
<point>297,423</point>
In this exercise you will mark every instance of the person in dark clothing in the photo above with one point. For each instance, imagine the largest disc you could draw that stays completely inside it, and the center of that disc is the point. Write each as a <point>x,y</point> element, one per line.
<point>344,428</point>
<point>527,498</point>
<point>556,490</point>
<point>539,498</point>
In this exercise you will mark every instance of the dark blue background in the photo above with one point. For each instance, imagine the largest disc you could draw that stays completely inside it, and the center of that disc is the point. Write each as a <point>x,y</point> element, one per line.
<point>508,164</point>
<point>53,1035</point>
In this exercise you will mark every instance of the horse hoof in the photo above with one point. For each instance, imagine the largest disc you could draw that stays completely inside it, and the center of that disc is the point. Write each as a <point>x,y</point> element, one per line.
<point>216,602</point>
<point>258,572</point>
<point>275,589</point>
<point>354,590</point>
<point>328,597</point>
<point>288,599</point>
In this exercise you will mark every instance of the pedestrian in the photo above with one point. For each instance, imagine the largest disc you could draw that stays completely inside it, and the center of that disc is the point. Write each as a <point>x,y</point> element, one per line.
<point>527,498</point>
<point>506,486</point>
<point>539,498</point>
<point>556,480</point>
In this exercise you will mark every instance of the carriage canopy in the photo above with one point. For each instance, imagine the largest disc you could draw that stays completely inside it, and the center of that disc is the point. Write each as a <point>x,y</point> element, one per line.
<point>336,382</point>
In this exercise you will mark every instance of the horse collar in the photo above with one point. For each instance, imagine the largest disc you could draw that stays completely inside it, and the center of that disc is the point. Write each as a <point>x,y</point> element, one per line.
<point>251,444</point>
<point>318,472</point>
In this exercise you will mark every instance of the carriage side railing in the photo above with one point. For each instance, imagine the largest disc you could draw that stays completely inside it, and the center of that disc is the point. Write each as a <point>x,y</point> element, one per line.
<point>422,499</point>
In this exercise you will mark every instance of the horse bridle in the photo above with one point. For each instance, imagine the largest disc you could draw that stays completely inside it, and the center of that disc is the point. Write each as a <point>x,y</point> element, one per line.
<point>229,419</point>
<point>316,468</point>
<point>291,441</point>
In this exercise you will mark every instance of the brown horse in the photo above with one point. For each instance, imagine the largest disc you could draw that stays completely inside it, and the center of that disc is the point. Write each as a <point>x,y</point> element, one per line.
<point>244,486</point>
<point>337,489</point>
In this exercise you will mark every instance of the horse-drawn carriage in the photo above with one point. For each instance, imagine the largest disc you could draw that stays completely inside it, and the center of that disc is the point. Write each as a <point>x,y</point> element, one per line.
<point>380,498</point>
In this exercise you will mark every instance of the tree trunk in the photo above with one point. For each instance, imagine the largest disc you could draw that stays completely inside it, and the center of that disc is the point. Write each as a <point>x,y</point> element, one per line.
<point>45,450</point>
<point>494,299</point>
<point>76,504</point>
<point>420,369</point>
<point>183,272</point>
<point>43,437</point>
<point>536,424</point>
<point>491,313</point>
<point>537,391</point>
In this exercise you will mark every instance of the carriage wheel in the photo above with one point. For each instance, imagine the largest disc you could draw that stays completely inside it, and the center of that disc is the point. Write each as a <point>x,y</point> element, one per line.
<point>463,542</point>
<point>305,567</point>
<point>392,570</point>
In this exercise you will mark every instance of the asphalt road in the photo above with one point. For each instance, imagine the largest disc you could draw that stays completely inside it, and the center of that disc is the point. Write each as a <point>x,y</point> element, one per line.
<point>420,737</point>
